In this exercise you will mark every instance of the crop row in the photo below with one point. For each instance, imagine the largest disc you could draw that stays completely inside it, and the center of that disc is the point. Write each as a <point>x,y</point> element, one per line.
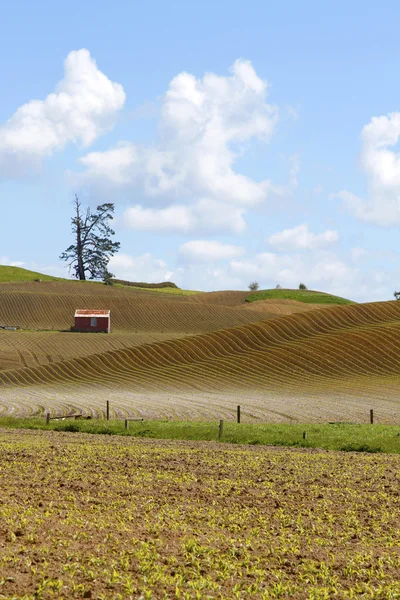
<point>53,308</point>
<point>353,347</point>
<point>31,349</point>
<point>122,518</point>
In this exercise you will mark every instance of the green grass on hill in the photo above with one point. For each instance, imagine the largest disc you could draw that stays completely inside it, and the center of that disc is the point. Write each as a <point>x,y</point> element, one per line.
<point>11,274</point>
<point>340,436</point>
<point>307,296</point>
<point>166,290</point>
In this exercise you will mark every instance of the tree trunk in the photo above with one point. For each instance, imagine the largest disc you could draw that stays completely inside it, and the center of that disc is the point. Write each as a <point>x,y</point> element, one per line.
<point>79,246</point>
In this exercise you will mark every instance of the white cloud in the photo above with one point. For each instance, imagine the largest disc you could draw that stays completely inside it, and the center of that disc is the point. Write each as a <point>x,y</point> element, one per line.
<point>207,250</point>
<point>83,105</point>
<point>301,238</point>
<point>204,126</point>
<point>5,261</point>
<point>322,271</point>
<point>358,253</point>
<point>140,268</point>
<point>381,165</point>
<point>205,215</point>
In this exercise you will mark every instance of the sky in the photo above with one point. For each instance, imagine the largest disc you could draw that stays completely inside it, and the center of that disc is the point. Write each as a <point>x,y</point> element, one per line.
<point>239,141</point>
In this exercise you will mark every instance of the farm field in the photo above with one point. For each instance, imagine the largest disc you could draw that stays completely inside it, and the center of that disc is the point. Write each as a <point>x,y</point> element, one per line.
<point>319,365</point>
<point>51,306</point>
<point>30,349</point>
<point>126,518</point>
<point>196,356</point>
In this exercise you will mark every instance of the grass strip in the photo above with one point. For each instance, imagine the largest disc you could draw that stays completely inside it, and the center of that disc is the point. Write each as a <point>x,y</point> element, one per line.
<point>345,437</point>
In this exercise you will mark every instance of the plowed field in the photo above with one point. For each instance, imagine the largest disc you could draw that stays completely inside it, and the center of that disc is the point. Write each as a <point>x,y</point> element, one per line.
<point>51,305</point>
<point>308,365</point>
<point>30,349</point>
<point>107,518</point>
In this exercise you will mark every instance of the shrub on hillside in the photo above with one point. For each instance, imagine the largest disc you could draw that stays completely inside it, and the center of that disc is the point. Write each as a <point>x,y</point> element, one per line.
<point>254,286</point>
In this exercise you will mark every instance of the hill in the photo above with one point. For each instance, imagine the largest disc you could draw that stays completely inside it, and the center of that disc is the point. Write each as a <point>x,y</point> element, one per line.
<point>285,368</point>
<point>50,305</point>
<point>307,296</point>
<point>12,274</point>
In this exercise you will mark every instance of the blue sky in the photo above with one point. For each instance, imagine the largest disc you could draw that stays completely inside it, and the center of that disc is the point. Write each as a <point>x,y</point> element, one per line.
<point>239,141</point>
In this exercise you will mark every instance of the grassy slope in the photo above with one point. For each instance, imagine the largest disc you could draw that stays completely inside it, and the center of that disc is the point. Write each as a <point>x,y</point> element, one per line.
<point>17,274</point>
<point>308,296</point>
<point>170,291</point>
<point>11,274</point>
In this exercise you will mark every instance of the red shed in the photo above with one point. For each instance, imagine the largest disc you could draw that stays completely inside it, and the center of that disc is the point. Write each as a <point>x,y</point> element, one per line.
<point>92,321</point>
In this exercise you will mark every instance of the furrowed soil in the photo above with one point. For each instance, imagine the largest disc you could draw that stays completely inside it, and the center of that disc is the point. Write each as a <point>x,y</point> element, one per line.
<point>119,518</point>
<point>198,356</point>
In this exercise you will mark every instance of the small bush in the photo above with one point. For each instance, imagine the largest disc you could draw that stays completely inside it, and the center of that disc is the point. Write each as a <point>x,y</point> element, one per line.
<point>108,278</point>
<point>302,286</point>
<point>360,448</point>
<point>254,286</point>
<point>71,427</point>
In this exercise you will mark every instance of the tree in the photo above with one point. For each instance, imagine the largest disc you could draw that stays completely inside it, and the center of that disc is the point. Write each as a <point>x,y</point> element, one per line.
<point>302,286</point>
<point>108,277</point>
<point>93,245</point>
<point>253,286</point>
<point>397,295</point>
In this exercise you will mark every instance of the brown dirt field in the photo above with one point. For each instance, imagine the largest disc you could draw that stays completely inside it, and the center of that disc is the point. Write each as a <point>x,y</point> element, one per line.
<point>106,518</point>
<point>223,298</point>
<point>51,305</point>
<point>31,349</point>
<point>352,349</point>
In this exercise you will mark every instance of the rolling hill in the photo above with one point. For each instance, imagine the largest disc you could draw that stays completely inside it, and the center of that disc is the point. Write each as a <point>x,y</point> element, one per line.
<point>306,296</point>
<point>51,305</point>
<point>195,355</point>
<point>12,274</point>
<point>314,364</point>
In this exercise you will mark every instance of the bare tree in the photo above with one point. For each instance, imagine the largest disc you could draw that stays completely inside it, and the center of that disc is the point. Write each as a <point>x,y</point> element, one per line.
<point>93,247</point>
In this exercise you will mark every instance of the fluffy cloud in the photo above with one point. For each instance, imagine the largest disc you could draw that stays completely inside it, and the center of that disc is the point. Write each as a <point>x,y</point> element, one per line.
<point>301,238</point>
<point>5,261</point>
<point>358,254</point>
<point>319,270</point>
<point>204,215</point>
<point>140,268</point>
<point>205,124</point>
<point>381,165</point>
<point>83,106</point>
<point>207,250</point>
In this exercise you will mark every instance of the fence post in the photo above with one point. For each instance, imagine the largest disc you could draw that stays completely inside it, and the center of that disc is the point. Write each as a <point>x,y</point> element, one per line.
<point>108,410</point>
<point>126,423</point>
<point>238,414</point>
<point>371,416</point>
<point>304,435</point>
<point>47,418</point>
<point>221,429</point>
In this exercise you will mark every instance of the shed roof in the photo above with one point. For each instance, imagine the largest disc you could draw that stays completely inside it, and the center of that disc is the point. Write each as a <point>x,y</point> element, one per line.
<point>92,313</point>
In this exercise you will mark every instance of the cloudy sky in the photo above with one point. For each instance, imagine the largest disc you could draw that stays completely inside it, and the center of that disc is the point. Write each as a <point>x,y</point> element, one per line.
<point>239,141</point>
